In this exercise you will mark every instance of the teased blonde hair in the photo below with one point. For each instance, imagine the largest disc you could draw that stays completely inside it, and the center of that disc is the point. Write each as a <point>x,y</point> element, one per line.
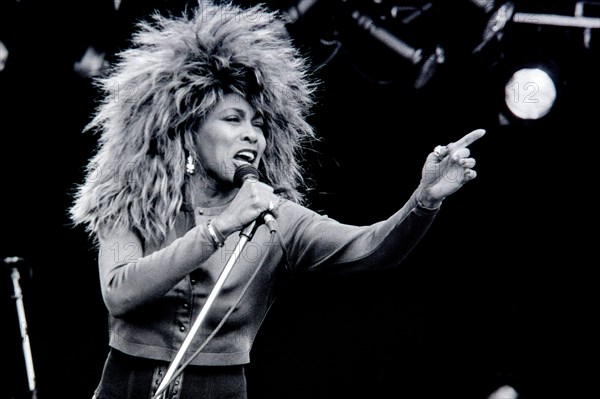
<point>161,89</point>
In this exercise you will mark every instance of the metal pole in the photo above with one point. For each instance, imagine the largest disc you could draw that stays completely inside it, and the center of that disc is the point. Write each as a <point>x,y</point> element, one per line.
<point>245,236</point>
<point>18,296</point>
<point>556,20</point>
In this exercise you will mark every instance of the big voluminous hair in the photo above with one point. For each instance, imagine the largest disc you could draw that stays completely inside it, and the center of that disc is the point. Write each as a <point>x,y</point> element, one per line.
<point>159,91</point>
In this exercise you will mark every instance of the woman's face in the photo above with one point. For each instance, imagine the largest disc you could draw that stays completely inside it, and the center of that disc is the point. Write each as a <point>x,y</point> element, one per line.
<point>231,135</point>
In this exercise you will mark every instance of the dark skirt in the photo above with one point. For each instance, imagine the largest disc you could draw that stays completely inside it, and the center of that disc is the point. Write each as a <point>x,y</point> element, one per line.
<point>128,377</point>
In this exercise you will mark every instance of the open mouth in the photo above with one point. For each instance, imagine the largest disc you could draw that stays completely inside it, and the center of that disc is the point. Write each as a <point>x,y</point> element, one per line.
<point>245,157</point>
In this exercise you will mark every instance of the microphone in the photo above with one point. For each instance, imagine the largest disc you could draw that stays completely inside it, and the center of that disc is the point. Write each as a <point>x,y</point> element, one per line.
<point>16,262</point>
<point>249,172</point>
<point>9,260</point>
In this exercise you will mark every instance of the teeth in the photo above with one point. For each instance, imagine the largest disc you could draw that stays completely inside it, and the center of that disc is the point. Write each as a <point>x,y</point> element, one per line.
<point>245,156</point>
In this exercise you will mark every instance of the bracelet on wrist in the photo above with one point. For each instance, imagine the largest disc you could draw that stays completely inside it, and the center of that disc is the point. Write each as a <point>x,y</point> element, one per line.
<point>420,204</point>
<point>215,235</point>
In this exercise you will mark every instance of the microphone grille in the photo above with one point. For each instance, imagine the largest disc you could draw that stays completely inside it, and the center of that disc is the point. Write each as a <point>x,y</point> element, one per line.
<point>244,172</point>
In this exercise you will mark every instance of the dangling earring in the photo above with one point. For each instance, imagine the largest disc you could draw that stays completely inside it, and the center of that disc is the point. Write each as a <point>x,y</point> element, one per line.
<point>190,166</point>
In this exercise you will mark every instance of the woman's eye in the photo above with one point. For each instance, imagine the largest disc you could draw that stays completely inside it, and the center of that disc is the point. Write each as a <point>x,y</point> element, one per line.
<point>233,118</point>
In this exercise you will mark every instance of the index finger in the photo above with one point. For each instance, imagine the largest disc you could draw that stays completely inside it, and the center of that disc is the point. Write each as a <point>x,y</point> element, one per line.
<point>469,138</point>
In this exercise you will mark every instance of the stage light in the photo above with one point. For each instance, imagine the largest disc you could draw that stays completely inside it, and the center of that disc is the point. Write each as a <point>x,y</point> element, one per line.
<point>3,55</point>
<point>496,22</point>
<point>530,93</point>
<point>544,66</point>
<point>504,392</point>
<point>533,77</point>
<point>424,61</point>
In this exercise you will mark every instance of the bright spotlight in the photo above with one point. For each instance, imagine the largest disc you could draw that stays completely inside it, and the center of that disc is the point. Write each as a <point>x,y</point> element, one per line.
<point>530,93</point>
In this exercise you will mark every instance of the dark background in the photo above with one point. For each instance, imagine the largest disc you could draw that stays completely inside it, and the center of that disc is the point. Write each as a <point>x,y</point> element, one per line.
<point>500,291</point>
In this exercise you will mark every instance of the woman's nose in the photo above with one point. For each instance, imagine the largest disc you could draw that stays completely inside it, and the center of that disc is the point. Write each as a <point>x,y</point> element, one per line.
<point>249,133</point>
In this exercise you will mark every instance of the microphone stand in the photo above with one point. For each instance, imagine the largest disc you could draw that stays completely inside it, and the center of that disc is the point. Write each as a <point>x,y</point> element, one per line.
<point>245,235</point>
<point>18,296</point>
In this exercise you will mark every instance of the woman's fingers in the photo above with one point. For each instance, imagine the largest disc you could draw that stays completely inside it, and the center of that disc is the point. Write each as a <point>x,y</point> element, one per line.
<point>457,149</point>
<point>460,154</point>
<point>467,162</point>
<point>468,139</point>
<point>469,175</point>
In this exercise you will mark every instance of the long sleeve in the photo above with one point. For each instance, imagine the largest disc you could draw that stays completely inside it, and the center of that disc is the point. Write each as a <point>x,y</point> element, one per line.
<point>154,294</point>
<point>319,242</point>
<point>131,275</point>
